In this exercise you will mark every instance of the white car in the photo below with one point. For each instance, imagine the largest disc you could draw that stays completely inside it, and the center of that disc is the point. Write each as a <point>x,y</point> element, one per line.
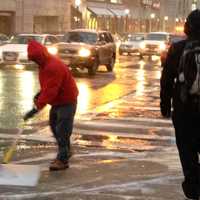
<point>132,44</point>
<point>15,52</point>
<point>155,43</point>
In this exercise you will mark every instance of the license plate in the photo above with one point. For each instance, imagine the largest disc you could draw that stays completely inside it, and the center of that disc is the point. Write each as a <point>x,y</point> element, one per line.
<point>10,58</point>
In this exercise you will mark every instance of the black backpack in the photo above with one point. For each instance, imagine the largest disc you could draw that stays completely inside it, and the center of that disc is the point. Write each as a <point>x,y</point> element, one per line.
<point>189,75</point>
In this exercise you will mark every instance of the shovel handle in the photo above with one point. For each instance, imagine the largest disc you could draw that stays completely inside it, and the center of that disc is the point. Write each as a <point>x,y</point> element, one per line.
<point>9,153</point>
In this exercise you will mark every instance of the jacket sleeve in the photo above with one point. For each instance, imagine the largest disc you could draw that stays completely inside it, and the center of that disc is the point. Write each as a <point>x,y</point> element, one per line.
<point>167,81</point>
<point>51,88</point>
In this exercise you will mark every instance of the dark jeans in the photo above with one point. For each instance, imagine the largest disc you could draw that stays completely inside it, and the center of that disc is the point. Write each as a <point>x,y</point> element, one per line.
<point>61,120</point>
<point>187,130</point>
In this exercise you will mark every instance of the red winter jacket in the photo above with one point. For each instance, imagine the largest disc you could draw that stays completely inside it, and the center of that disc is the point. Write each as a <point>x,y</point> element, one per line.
<point>58,87</point>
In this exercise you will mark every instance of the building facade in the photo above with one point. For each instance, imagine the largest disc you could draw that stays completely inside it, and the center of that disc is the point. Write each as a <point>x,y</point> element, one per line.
<point>109,15</point>
<point>118,16</point>
<point>36,16</point>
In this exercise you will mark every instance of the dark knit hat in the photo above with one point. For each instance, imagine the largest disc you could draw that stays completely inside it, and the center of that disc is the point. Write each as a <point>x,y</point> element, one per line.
<point>192,24</point>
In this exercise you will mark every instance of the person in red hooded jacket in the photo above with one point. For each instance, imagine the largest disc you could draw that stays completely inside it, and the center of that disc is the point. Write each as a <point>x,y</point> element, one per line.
<point>58,89</point>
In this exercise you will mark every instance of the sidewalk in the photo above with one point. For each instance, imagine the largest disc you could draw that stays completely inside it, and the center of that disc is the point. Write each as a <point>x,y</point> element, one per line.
<point>101,170</point>
<point>103,174</point>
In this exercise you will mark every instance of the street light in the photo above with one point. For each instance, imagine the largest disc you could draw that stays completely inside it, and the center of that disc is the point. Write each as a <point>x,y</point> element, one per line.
<point>127,11</point>
<point>77,15</point>
<point>166,18</point>
<point>77,3</point>
<point>152,16</point>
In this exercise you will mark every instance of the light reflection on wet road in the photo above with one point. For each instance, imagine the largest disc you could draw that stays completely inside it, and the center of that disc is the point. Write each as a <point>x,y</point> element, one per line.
<point>17,89</point>
<point>131,76</point>
<point>119,137</point>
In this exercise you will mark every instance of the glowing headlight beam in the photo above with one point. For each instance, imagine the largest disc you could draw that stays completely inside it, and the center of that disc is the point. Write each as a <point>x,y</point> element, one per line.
<point>162,46</point>
<point>24,54</point>
<point>52,50</point>
<point>84,52</point>
<point>142,45</point>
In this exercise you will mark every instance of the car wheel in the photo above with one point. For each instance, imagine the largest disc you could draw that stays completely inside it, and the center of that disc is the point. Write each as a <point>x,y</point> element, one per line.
<point>111,64</point>
<point>141,56</point>
<point>120,53</point>
<point>92,69</point>
<point>150,58</point>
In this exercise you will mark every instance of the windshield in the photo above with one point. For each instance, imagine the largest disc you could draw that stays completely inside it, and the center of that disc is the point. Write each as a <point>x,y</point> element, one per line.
<point>85,37</point>
<point>24,39</point>
<point>159,37</point>
<point>176,38</point>
<point>135,38</point>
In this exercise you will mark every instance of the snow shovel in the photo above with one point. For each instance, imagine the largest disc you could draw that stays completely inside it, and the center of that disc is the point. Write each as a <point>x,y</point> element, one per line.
<point>17,174</point>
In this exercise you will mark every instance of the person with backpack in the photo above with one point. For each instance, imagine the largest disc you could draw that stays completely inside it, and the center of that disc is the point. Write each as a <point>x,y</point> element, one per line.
<point>180,87</point>
<point>58,89</point>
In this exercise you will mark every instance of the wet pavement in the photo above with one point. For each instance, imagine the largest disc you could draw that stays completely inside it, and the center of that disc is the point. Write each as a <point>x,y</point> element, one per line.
<point>122,148</point>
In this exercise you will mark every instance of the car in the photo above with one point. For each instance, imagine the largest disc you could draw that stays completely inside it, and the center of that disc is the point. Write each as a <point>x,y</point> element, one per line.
<point>132,44</point>
<point>60,37</point>
<point>15,52</point>
<point>154,44</point>
<point>173,38</point>
<point>87,49</point>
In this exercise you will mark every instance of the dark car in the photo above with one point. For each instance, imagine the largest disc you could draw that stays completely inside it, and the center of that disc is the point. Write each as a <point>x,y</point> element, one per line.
<point>83,48</point>
<point>172,39</point>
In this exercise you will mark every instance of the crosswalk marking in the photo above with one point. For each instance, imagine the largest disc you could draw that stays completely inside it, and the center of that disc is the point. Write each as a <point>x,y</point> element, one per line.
<point>130,125</point>
<point>123,135</point>
<point>140,107</point>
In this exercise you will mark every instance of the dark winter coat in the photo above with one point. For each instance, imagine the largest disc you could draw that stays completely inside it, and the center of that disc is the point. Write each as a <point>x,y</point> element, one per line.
<point>169,85</point>
<point>58,87</point>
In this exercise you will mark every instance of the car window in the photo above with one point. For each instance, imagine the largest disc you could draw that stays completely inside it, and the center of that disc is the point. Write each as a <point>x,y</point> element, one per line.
<point>108,37</point>
<point>111,37</point>
<point>24,39</point>
<point>85,37</point>
<point>157,36</point>
<point>60,37</point>
<point>135,38</point>
<point>3,38</point>
<point>176,38</point>
<point>51,40</point>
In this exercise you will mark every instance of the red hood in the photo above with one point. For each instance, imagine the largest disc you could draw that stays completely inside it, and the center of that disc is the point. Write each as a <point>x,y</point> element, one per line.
<point>37,53</point>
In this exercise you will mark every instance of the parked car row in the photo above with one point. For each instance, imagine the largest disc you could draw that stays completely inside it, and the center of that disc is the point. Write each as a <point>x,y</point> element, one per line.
<point>149,44</point>
<point>153,43</point>
<point>79,48</point>
<point>86,49</point>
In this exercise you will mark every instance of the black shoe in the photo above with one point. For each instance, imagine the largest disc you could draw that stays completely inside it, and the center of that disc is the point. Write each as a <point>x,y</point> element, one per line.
<point>190,191</point>
<point>58,165</point>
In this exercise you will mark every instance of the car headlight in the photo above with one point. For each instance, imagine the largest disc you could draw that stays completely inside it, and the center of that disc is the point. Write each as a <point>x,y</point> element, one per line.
<point>84,52</point>
<point>52,50</point>
<point>24,54</point>
<point>162,46</point>
<point>142,45</point>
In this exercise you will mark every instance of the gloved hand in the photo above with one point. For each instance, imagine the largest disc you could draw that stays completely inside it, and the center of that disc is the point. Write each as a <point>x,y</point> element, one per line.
<point>165,108</point>
<point>30,114</point>
<point>36,97</point>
